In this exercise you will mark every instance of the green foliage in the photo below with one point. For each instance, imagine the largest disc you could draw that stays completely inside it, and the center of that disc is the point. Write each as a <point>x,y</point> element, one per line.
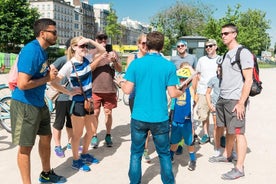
<point>16,21</point>
<point>181,19</point>
<point>112,28</point>
<point>251,24</point>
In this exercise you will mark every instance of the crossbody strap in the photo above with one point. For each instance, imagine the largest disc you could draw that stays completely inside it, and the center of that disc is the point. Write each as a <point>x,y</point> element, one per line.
<point>85,97</point>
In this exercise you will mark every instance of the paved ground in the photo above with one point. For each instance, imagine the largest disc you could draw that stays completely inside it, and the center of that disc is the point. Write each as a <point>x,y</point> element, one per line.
<point>259,167</point>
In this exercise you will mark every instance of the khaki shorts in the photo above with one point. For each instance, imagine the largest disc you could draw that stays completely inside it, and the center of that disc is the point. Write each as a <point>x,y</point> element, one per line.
<point>202,110</point>
<point>27,121</point>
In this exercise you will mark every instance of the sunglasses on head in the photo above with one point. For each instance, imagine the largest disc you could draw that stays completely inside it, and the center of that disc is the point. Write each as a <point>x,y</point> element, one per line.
<point>209,46</point>
<point>178,46</point>
<point>83,46</point>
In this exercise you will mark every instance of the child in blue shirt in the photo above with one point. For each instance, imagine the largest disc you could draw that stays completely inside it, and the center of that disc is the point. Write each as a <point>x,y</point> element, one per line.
<point>181,118</point>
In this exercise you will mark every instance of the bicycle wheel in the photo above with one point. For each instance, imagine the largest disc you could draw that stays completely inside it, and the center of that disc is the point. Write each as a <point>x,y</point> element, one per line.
<point>5,118</point>
<point>126,99</point>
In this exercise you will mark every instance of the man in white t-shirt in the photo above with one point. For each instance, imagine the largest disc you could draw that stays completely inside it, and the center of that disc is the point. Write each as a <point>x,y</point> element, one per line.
<point>206,68</point>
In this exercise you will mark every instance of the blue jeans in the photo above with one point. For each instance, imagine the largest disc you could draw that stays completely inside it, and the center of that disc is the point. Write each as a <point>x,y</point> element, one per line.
<point>160,134</point>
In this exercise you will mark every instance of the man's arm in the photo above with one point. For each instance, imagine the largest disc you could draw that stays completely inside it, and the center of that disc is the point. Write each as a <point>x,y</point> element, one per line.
<point>240,107</point>
<point>25,81</point>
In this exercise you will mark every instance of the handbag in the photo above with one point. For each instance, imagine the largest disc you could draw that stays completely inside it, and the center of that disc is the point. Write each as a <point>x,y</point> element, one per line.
<point>88,102</point>
<point>52,93</point>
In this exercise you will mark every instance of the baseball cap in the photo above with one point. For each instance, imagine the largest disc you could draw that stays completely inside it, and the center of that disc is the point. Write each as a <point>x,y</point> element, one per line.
<point>101,35</point>
<point>211,41</point>
<point>183,73</point>
<point>179,42</point>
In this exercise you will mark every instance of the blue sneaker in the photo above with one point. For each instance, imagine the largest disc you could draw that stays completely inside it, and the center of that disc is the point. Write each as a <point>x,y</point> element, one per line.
<point>59,152</point>
<point>89,159</point>
<point>94,142</point>
<point>205,139</point>
<point>80,165</point>
<point>51,177</point>
<point>108,140</point>
<point>69,147</point>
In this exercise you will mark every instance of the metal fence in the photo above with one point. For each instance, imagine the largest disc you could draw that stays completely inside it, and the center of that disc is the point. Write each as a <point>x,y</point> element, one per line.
<point>7,59</point>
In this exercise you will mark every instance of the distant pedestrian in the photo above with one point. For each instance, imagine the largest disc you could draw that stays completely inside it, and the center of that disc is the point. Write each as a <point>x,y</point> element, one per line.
<point>29,114</point>
<point>150,111</point>
<point>231,106</point>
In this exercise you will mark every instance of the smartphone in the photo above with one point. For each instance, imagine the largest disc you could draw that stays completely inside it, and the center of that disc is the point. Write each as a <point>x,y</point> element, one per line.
<point>108,48</point>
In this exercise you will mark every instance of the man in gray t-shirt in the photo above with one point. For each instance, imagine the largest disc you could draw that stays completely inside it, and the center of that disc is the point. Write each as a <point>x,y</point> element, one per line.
<point>183,56</point>
<point>235,88</point>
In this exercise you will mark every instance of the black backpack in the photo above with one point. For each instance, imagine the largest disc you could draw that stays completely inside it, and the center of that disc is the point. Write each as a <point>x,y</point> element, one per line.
<point>256,87</point>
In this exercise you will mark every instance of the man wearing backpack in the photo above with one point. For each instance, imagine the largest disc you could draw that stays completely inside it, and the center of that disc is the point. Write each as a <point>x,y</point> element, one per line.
<point>235,87</point>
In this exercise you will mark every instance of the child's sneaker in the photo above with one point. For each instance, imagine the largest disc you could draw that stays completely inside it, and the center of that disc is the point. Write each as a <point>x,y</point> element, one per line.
<point>51,177</point>
<point>59,152</point>
<point>146,156</point>
<point>80,165</point>
<point>179,150</point>
<point>108,140</point>
<point>192,165</point>
<point>89,159</point>
<point>94,142</point>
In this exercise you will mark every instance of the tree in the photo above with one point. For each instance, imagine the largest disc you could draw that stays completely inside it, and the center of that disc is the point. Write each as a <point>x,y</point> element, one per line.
<point>181,19</point>
<point>113,29</point>
<point>251,24</point>
<point>16,22</point>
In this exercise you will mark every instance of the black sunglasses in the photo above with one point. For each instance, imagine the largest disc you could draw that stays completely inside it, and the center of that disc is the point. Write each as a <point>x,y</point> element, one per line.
<point>102,37</point>
<point>54,32</point>
<point>209,46</point>
<point>83,46</point>
<point>227,33</point>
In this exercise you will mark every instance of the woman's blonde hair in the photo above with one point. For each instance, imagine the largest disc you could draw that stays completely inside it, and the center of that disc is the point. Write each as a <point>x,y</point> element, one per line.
<point>70,50</point>
<point>140,37</point>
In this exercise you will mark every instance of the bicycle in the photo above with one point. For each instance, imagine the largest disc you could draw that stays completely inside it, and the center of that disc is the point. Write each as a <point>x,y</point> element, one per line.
<point>5,118</point>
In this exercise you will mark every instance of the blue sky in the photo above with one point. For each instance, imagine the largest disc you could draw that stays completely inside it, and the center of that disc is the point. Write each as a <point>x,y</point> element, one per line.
<point>142,10</point>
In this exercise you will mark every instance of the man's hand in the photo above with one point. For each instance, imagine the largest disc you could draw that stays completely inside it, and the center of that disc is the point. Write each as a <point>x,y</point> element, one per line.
<point>53,72</point>
<point>240,110</point>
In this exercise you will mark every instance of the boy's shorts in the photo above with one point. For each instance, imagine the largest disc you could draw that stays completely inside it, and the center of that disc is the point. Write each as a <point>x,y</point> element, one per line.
<point>227,118</point>
<point>202,108</point>
<point>182,130</point>
<point>27,121</point>
<point>107,100</point>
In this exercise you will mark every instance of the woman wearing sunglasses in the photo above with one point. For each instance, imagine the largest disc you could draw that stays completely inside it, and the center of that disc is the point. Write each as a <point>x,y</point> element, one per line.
<point>78,72</point>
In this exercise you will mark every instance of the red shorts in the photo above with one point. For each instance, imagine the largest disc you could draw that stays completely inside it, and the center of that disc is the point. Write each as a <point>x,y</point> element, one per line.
<point>107,100</point>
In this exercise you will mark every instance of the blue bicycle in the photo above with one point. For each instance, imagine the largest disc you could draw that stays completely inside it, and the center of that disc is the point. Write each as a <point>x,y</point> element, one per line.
<point>5,118</point>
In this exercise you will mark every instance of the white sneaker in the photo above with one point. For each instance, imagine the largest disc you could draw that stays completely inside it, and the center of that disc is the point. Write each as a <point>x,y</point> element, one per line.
<point>217,153</point>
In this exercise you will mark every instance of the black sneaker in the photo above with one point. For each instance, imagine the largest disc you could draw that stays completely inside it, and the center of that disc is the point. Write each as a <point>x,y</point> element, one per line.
<point>179,150</point>
<point>51,177</point>
<point>192,165</point>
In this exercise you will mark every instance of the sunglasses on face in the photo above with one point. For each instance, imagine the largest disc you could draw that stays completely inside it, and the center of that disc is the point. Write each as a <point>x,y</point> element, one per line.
<point>178,46</point>
<point>209,46</point>
<point>143,43</point>
<point>227,33</point>
<point>54,32</point>
<point>83,46</point>
<point>102,37</point>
